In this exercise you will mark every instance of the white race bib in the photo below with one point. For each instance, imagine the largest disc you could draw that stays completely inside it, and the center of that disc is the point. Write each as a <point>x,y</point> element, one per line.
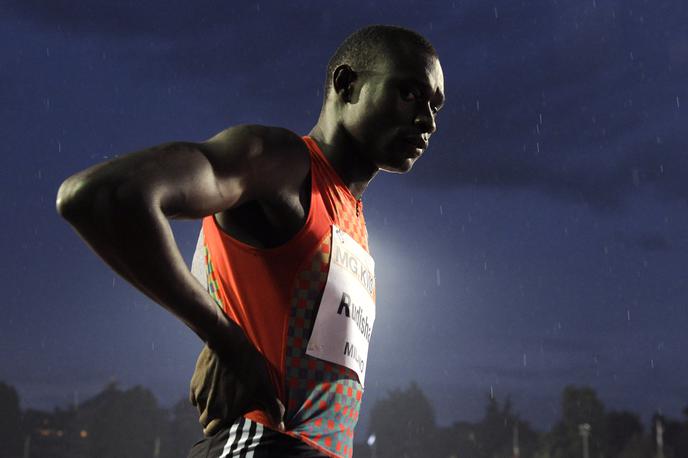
<point>344,324</point>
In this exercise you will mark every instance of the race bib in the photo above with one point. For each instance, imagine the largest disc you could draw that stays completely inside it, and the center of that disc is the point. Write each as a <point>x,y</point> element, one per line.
<point>344,322</point>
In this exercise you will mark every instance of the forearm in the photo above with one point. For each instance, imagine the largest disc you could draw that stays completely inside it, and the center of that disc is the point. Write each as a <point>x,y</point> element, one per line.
<point>132,235</point>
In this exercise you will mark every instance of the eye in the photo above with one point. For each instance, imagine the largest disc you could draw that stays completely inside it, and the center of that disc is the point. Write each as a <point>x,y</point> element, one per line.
<point>409,94</point>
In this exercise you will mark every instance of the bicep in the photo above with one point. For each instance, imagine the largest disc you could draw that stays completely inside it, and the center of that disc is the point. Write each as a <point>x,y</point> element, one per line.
<point>185,179</point>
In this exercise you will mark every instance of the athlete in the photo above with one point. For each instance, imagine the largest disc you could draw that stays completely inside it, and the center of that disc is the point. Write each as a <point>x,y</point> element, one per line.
<point>286,298</point>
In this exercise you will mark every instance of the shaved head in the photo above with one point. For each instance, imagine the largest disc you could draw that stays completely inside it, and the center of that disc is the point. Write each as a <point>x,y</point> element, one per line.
<point>361,49</point>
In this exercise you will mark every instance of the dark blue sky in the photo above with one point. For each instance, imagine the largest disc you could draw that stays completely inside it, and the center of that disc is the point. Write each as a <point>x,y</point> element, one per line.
<point>540,242</point>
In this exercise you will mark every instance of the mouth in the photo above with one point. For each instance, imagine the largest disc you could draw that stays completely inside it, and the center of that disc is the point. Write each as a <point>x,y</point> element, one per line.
<point>418,142</point>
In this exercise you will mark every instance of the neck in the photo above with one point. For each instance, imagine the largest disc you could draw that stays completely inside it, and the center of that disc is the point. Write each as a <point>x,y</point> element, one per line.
<point>344,156</point>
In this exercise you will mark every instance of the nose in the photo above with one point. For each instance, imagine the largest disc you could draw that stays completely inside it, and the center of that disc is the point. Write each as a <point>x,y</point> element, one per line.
<point>425,119</point>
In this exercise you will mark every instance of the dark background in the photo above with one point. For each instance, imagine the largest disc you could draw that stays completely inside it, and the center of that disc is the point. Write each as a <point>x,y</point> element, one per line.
<point>540,242</point>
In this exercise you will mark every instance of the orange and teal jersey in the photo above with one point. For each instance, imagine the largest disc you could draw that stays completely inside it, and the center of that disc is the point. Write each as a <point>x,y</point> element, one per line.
<point>274,295</point>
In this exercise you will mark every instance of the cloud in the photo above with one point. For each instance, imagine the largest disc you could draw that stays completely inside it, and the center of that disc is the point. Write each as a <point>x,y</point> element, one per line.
<point>518,374</point>
<point>572,102</point>
<point>174,18</point>
<point>648,241</point>
<point>576,101</point>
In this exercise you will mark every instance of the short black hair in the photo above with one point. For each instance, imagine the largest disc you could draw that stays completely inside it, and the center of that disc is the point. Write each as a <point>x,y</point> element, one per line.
<point>360,49</point>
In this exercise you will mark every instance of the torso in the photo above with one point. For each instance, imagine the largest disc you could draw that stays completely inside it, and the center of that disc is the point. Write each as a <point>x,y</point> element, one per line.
<point>316,393</point>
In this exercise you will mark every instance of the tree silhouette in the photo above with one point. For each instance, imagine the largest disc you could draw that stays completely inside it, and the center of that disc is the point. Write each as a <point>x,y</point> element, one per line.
<point>675,436</point>
<point>579,406</point>
<point>124,423</point>
<point>622,429</point>
<point>10,422</point>
<point>495,432</point>
<point>404,424</point>
<point>184,429</point>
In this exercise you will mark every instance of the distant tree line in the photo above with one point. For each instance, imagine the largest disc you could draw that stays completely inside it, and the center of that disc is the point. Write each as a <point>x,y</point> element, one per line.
<point>129,423</point>
<point>403,425</point>
<point>115,423</point>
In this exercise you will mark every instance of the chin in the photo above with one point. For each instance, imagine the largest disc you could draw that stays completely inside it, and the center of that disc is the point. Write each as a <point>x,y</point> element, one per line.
<point>402,168</point>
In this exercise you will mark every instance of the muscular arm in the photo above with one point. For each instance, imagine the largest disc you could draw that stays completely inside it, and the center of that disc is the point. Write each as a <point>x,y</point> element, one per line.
<point>120,208</point>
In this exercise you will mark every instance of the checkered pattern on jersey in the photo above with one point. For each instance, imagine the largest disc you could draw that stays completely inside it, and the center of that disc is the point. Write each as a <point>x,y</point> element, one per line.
<point>323,398</point>
<point>213,288</point>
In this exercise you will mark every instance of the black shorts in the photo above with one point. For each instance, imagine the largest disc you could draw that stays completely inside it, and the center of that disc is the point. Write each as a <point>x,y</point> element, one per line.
<point>248,439</point>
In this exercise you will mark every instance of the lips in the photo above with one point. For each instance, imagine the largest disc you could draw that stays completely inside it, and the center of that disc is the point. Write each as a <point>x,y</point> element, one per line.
<point>418,141</point>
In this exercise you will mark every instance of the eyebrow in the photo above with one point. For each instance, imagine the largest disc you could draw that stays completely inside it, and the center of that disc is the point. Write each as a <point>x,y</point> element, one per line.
<point>427,87</point>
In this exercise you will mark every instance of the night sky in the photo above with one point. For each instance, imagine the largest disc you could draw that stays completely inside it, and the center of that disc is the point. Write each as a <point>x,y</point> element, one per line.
<point>541,241</point>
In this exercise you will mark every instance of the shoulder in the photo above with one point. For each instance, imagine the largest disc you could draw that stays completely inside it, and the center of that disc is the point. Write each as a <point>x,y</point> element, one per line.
<point>272,157</point>
<point>256,141</point>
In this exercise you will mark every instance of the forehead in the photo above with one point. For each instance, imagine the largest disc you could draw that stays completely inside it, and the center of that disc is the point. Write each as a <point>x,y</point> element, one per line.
<point>412,64</point>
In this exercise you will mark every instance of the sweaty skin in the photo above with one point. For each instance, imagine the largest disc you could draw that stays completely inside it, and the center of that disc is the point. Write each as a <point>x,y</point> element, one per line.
<point>255,180</point>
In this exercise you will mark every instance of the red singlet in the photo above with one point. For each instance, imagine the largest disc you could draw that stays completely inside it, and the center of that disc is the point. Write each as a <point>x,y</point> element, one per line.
<point>274,294</point>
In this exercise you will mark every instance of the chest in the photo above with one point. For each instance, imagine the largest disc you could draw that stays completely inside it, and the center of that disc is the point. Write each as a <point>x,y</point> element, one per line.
<point>268,223</point>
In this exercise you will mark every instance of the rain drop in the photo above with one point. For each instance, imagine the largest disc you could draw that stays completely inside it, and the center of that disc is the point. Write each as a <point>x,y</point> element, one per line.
<point>652,363</point>
<point>525,360</point>
<point>491,392</point>
<point>113,282</point>
<point>441,211</point>
<point>636,177</point>
<point>628,315</point>
<point>438,276</point>
<point>537,145</point>
<point>496,13</point>
<point>59,146</point>
<point>678,103</point>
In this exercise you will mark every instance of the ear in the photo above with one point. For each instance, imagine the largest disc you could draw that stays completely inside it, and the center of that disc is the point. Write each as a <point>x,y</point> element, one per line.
<point>342,82</point>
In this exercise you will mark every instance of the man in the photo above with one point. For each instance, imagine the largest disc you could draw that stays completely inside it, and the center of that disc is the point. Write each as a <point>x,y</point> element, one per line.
<point>288,303</point>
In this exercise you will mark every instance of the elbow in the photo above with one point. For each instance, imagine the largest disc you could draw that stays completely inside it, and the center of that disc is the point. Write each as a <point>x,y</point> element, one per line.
<point>70,200</point>
<point>81,200</point>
